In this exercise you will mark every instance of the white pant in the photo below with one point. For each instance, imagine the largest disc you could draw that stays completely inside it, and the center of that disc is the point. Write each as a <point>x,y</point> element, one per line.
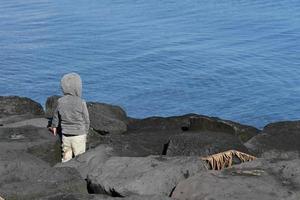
<point>72,145</point>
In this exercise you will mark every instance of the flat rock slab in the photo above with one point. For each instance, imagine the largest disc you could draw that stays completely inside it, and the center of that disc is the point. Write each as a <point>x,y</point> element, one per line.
<point>35,122</point>
<point>23,176</point>
<point>259,179</point>
<point>25,137</point>
<point>17,118</point>
<point>153,175</point>
<point>36,141</point>
<point>203,144</point>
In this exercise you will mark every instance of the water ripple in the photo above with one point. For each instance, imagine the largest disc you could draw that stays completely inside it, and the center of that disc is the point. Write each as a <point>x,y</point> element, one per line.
<point>233,59</point>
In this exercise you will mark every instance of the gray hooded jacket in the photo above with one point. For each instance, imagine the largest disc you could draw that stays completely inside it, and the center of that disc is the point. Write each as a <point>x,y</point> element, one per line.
<point>71,112</point>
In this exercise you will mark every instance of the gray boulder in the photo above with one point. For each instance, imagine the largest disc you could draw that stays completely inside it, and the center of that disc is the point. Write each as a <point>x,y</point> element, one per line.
<point>203,144</point>
<point>153,175</point>
<point>280,137</point>
<point>89,161</point>
<point>14,105</point>
<point>23,176</point>
<point>107,118</point>
<point>259,179</point>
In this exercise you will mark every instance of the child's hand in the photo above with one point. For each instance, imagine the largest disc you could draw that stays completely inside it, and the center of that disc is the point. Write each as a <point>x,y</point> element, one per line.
<point>53,130</point>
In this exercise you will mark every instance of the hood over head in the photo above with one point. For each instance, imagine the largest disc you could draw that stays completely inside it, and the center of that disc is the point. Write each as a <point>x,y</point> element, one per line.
<point>71,84</point>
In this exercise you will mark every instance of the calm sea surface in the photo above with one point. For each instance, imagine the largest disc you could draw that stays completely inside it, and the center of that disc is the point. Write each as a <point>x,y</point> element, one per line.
<point>238,60</point>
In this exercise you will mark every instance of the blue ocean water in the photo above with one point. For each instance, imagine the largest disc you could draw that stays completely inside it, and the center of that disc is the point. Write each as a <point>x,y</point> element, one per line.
<point>238,60</point>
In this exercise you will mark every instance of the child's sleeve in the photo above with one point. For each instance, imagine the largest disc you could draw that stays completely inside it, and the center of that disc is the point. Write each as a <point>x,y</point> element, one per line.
<point>86,117</point>
<point>55,119</point>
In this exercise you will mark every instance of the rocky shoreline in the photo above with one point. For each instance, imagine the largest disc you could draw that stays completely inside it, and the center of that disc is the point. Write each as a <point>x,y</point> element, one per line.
<point>156,158</point>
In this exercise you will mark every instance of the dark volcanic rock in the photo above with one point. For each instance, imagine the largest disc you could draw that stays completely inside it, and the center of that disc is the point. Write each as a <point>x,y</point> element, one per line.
<point>138,144</point>
<point>149,136</point>
<point>51,105</point>
<point>23,176</point>
<point>280,137</point>
<point>203,144</point>
<point>159,123</point>
<point>193,122</point>
<point>204,123</point>
<point>107,118</point>
<point>153,175</point>
<point>13,105</point>
<point>259,179</point>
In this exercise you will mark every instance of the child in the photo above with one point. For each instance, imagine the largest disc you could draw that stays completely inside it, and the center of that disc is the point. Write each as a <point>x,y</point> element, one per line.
<point>72,116</point>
